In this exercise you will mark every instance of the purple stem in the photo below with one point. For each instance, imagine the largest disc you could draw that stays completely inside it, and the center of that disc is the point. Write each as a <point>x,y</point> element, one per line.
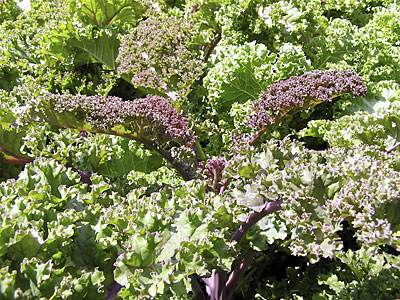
<point>215,285</point>
<point>225,183</point>
<point>267,208</point>
<point>18,160</point>
<point>218,286</point>
<point>238,273</point>
<point>85,177</point>
<point>395,145</point>
<point>213,45</point>
<point>112,290</point>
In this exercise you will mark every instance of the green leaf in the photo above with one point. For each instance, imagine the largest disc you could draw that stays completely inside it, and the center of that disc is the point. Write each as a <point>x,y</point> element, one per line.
<point>378,128</point>
<point>7,282</point>
<point>251,196</point>
<point>49,172</point>
<point>7,117</point>
<point>114,157</point>
<point>6,232</point>
<point>247,171</point>
<point>243,72</point>
<point>234,79</point>
<point>23,245</point>
<point>97,277</point>
<point>332,281</point>
<point>11,135</point>
<point>106,12</point>
<point>143,251</point>
<point>102,49</point>
<point>267,231</point>
<point>392,214</point>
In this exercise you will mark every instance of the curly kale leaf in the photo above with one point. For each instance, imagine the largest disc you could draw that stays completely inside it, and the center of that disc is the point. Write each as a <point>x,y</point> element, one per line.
<point>320,191</point>
<point>241,73</point>
<point>11,133</point>
<point>371,120</point>
<point>372,50</point>
<point>45,235</point>
<point>53,224</point>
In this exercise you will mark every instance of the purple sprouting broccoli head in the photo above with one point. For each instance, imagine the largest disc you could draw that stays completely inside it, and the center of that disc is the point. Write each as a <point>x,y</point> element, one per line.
<point>214,169</point>
<point>289,96</point>
<point>152,118</point>
<point>157,56</point>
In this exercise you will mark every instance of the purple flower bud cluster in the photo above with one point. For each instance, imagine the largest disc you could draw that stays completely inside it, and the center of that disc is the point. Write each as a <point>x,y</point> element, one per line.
<point>152,117</point>
<point>300,92</point>
<point>156,57</point>
<point>214,169</point>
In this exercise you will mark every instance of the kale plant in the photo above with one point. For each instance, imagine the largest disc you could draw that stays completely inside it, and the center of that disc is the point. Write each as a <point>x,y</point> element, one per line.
<point>199,150</point>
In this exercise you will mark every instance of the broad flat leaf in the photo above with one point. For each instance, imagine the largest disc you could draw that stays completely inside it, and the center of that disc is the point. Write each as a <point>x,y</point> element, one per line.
<point>243,87</point>
<point>103,49</point>
<point>12,142</point>
<point>6,232</point>
<point>105,12</point>
<point>6,117</point>
<point>22,245</point>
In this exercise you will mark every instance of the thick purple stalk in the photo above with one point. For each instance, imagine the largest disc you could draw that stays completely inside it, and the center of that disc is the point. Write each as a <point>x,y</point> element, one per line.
<point>221,285</point>
<point>251,220</point>
<point>113,290</point>
<point>238,273</point>
<point>16,159</point>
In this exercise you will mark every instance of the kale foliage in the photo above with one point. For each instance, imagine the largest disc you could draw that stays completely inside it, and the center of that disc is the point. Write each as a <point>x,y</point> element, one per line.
<point>199,149</point>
